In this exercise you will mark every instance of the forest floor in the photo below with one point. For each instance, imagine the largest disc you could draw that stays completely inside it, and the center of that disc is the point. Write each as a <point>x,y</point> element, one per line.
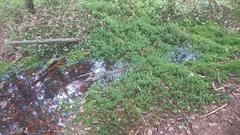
<point>215,120</point>
<point>5,55</point>
<point>183,59</point>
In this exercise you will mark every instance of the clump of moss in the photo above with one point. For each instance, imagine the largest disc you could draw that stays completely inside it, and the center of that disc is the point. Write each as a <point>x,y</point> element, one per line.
<point>27,63</point>
<point>232,67</point>
<point>237,11</point>
<point>232,39</point>
<point>209,30</point>
<point>4,66</point>
<point>154,80</point>
<point>21,65</point>
<point>75,57</point>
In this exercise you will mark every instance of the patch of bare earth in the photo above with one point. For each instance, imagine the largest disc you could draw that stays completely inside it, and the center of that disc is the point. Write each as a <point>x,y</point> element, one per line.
<point>215,120</point>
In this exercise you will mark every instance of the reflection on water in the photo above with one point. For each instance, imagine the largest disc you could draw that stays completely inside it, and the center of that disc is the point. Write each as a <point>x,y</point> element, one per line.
<point>32,107</point>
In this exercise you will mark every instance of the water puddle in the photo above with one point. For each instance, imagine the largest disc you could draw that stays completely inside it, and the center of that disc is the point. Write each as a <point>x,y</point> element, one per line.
<point>183,54</point>
<point>28,106</point>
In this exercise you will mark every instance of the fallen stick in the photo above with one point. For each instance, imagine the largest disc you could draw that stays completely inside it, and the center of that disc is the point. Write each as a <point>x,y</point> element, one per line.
<point>214,111</point>
<point>44,41</point>
<point>107,73</point>
<point>234,95</point>
<point>83,85</point>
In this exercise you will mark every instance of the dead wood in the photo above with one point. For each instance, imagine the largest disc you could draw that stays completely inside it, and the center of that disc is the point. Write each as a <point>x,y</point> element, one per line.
<point>214,111</point>
<point>106,73</point>
<point>44,41</point>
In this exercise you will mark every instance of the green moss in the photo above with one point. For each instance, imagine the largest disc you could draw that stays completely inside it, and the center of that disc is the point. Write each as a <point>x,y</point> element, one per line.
<point>237,12</point>
<point>102,6</point>
<point>232,67</point>
<point>116,107</point>
<point>233,39</point>
<point>154,78</point>
<point>4,66</point>
<point>208,31</point>
<point>21,65</point>
<point>75,57</point>
<point>27,63</point>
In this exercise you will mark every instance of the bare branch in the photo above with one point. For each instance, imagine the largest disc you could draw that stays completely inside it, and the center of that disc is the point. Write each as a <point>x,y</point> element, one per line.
<point>214,111</point>
<point>44,41</point>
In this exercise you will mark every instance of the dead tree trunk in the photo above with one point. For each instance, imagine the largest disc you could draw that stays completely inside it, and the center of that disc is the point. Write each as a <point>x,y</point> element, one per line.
<point>30,6</point>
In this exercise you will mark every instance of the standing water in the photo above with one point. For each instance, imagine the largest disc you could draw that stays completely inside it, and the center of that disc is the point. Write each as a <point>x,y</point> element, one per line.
<point>28,106</point>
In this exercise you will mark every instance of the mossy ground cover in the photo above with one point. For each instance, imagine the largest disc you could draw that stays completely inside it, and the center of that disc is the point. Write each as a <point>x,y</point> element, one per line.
<point>131,31</point>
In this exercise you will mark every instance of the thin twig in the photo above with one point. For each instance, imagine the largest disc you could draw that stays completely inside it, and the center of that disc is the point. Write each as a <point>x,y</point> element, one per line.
<point>214,111</point>
<point>138,131</point>
<point>144,120</point>
<point>139,88</point>
<point>234,95</point>
<point>218,78</point>
<point>217,89</point>
<point>145,123</point>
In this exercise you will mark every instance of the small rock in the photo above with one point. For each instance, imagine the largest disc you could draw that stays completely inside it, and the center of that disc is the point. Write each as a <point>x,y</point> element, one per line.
<point>238,119</point>
<point>94,122</point>
<point>171,120</point>
<point>87,129</point>
<point>170,129</point>
<point>161,132</point>
<point>119,119</point>
<point>188,132</point>
<point>212,124</point>
<point>180,126</point>
<point>98,128</point>
<point>3,105</point>
<point>81,109</point>
<point>230,121</point>
<point>149,132</point>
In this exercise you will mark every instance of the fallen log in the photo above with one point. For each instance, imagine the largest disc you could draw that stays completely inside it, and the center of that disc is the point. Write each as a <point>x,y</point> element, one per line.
<point>44,41</point>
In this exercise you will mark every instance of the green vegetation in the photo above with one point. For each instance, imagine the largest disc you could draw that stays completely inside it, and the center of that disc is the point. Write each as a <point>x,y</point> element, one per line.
<point>233,67</point>
<point>4,66</point>
<point>131,31</point>
<point>75,56</point>
<point>25,63</point>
